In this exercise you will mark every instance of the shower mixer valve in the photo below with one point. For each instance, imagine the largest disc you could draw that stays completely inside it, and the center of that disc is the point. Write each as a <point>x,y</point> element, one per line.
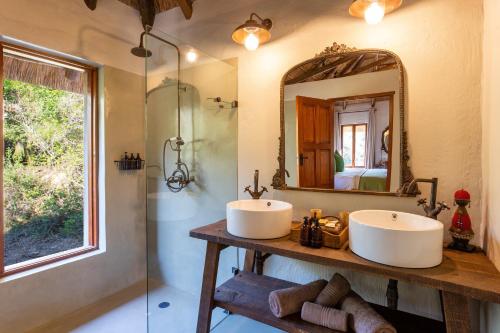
<point>180,177</point>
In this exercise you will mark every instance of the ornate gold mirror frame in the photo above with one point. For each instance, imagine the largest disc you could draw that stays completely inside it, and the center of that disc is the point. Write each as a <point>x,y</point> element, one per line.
<point>406,176</point>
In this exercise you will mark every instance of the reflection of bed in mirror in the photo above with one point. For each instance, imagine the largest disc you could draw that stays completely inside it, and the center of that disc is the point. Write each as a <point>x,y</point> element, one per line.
<point>360,123</point>
<point>337,133</point>
<point>360,179</point>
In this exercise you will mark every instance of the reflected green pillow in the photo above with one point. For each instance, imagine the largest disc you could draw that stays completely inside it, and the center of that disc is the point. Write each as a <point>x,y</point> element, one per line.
<point>339,162</point>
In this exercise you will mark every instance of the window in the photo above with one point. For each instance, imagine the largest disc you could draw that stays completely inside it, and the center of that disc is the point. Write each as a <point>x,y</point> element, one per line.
<point>354,145</point>
<point>48,178</point>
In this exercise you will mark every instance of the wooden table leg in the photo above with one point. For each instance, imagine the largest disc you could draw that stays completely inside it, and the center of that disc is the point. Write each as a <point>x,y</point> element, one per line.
<point>208,286</point>
<point>249,261</point>
<point>259,262</point>
<point>456,312</point>
<point>392,294</point>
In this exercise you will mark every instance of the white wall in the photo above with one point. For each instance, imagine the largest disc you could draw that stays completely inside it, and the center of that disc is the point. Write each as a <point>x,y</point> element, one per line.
<point>443,84</point>
<point>491,137</point>
<point>439,42</point>
<point>101,36</point>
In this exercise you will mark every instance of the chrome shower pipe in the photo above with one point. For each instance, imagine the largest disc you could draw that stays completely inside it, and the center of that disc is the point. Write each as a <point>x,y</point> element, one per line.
<point>181,175</point>
<point>148,32</point>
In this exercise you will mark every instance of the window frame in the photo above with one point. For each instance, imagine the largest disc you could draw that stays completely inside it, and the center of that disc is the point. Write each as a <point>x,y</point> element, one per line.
<point>91,157</point>
<point>353,126</point>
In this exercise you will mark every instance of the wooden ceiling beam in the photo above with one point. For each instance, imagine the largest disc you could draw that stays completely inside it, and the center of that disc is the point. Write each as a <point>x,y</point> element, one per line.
<point>313,68</point>
<point>310,73</point>
<point>148,12</point>
<point>91,4</point>
<point>186,7</point>
<point>351,66</point>
<point>164,5</point>
<point>363,68</point>
<point>149,8</point>
<point>330,74</point>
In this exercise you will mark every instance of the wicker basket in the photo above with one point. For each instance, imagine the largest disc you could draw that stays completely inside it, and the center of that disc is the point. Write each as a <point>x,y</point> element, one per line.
<point>329,240</point>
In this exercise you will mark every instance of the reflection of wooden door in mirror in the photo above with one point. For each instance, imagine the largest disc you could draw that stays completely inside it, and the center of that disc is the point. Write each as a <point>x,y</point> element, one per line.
<point>315,142</point>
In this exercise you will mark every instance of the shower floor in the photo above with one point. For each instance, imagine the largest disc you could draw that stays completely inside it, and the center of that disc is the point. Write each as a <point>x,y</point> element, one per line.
<point>125,312</point>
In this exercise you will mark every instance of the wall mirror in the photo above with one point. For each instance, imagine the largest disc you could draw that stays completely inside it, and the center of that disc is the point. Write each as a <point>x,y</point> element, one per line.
<point>342,123</point>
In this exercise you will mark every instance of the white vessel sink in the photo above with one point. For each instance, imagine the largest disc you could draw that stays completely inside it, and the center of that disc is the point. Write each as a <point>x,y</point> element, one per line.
<point>259,219</point>
<point>396,239</point>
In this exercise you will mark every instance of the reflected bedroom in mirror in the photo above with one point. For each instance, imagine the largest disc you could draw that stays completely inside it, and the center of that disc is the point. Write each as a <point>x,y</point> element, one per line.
<point>342,122</point>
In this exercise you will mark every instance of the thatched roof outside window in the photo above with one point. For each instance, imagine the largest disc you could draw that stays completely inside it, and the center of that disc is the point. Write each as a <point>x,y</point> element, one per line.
<point>43,74</point>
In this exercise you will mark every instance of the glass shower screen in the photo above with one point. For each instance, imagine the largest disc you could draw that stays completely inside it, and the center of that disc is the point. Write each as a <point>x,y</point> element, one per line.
<point>208,149</point>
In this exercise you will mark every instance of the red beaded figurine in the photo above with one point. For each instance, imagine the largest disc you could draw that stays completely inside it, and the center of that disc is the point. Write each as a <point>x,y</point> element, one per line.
<point>461,228</point>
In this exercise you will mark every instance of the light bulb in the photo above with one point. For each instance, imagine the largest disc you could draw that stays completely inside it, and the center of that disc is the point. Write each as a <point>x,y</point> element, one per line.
<point>191,56</point>
<point>251,42</point>
<point>374,13</point>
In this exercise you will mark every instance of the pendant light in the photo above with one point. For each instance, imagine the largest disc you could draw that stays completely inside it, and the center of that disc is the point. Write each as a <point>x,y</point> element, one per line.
<point>252,33</point>
<point>373,11</point>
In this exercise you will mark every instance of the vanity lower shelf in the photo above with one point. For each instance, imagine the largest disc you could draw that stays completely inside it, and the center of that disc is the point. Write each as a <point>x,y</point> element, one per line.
<point>247,294</point>
<point>458,279</point>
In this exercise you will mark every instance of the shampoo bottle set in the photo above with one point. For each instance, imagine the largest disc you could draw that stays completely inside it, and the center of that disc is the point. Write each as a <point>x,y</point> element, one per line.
<point>311,233</point>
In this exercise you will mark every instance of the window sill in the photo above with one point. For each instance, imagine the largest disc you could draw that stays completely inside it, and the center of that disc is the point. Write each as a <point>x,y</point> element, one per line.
<point>34,266</point>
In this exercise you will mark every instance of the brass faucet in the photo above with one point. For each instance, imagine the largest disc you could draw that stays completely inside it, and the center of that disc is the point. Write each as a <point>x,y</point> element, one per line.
<point>433,209</point>
<point>256,194</point>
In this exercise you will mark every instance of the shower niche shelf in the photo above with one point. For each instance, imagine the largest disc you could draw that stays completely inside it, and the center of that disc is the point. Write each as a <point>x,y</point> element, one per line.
<point>130,163</point>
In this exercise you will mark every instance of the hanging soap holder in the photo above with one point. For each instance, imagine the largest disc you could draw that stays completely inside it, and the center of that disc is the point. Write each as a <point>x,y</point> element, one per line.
<point>130,162</point>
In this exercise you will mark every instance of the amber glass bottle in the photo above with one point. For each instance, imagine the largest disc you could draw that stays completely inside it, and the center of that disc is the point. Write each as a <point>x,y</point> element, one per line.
<point>138,162</point>
<point>316,233</point>
<point>305,233</point>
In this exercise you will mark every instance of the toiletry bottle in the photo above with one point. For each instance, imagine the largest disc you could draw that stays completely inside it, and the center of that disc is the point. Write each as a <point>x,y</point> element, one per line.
<point>124,162</point>
<point>305,234</point>
<point>131,162</point>
<point>138,161</point>
<point>316,234</point>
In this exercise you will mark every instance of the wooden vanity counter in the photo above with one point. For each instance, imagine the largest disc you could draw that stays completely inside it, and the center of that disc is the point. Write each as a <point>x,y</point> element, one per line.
<point>460,277</point>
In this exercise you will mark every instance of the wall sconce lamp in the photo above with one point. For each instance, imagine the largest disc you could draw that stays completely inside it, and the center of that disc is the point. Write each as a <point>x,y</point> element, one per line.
<point>253,33</point>
<point>373,11</point>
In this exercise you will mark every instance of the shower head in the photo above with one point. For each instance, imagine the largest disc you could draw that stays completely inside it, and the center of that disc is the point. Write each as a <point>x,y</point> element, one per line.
<point>141,51</point>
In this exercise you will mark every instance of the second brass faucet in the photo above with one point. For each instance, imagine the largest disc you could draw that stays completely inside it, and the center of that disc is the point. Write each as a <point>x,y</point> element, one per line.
<point>432,209</point>
<point>256,194</point>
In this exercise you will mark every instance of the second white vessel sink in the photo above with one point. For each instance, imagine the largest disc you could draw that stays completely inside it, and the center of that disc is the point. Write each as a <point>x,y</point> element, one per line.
<point>259,219</point>
<point>396,238</point>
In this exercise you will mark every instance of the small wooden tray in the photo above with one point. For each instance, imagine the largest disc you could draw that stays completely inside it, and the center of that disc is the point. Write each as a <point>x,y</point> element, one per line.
<point>329,240</point>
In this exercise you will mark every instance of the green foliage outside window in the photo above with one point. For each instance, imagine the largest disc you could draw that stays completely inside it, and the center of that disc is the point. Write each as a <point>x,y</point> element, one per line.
<point>43,164</point>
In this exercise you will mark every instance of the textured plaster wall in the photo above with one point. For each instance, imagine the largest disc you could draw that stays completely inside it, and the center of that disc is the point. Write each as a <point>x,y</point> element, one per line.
<point>100,36</point>
<point>491,137</point>
<point>442,58</point>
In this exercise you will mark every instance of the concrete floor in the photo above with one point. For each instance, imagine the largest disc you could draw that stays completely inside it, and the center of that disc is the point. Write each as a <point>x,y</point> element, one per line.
<point>126,312</point>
